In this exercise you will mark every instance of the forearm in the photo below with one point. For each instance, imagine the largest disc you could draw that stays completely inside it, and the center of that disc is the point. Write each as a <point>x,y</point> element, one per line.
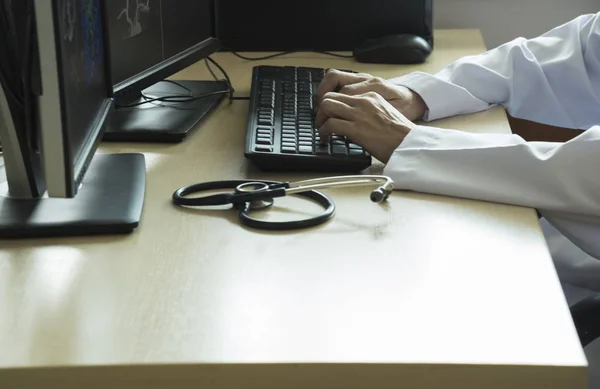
<point>556,177</point>
<point>549,79</point>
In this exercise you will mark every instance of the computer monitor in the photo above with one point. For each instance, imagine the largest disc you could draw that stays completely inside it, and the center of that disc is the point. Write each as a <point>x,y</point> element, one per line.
<point>56,184</point>
<point>320,25</point>
<point>150,40</point>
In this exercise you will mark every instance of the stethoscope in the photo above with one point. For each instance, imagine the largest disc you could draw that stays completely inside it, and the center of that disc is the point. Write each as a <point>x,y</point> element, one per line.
<point>252,195</point>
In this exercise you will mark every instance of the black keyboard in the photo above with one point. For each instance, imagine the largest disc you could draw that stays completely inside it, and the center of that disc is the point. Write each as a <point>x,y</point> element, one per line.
<point>281,134</point>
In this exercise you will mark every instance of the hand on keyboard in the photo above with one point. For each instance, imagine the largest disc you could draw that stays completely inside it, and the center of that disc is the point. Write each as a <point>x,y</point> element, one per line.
<point>409,103</point>
<point>367,119</point>
<point>281,132</point>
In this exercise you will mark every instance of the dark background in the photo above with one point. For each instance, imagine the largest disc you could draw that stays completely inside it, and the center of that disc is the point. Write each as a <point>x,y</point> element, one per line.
<point>282,25</point>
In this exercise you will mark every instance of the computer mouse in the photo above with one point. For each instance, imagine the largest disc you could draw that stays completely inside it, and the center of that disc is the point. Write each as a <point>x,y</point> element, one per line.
<point>394,49</point>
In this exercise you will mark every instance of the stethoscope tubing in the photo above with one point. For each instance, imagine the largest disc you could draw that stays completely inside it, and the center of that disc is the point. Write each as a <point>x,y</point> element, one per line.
<point>276,189</point>
<point>243,202</point>
<point>179,197</point>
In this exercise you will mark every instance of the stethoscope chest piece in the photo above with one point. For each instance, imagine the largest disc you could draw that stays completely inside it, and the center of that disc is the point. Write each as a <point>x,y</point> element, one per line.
<point>255,187</point>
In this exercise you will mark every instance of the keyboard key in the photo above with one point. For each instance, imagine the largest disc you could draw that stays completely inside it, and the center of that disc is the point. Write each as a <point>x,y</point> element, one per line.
<point>355,153</point>
<point>305,149</point>
<point>265,121</point>
<point>288,149</point>
<point>289,144</point>
<point>321,149</point>
<point>338,150</point>
<point>264,141</point>
<point>265,116</point>
<point>266,136</point>
<point>354,146</point>
<point>264,132</point>
<point>263,149</point>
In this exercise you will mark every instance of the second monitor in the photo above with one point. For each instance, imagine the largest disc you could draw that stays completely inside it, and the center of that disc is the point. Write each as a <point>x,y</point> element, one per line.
<point>151,40</point>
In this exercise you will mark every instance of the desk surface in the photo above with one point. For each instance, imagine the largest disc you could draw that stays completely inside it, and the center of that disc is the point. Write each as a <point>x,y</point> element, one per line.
<point>424,292</point>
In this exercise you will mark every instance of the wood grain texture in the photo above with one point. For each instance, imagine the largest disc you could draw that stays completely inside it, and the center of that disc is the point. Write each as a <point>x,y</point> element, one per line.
<point>423,292</point>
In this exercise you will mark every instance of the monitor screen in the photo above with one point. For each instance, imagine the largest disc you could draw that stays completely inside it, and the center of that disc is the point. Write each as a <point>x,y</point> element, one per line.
<point>145,33</point>
<point>135,33</point>
<point>83,77</point>
<point>185,24</point>
<point>75,103</point>
<point>317,24</point>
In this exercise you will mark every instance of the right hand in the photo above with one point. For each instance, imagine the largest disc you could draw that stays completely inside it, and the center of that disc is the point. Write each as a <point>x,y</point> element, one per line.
<point>408,102</point>
<point>368,120</point>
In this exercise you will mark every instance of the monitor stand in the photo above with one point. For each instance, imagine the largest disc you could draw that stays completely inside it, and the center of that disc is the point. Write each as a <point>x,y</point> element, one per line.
<point>163,121</point>
<point>109,201</point>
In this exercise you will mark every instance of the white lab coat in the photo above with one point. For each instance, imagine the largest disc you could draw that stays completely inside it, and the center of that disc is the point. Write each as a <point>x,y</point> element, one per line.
<point>552,79</point>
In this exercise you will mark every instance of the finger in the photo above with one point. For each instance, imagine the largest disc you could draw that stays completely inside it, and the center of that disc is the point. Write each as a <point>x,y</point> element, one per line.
<point>346,99</point>
<point>362,87</point>
<point>334,80</point>
<point>338,127</point>
<point>331,108</point>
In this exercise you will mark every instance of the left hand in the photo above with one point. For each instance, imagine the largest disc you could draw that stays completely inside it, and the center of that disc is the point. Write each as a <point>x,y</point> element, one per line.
<point>368,120</point>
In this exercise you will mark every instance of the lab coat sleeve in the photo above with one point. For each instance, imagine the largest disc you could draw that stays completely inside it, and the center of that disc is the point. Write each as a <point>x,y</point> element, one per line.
<point>561,180</point>
<point>550,79</point>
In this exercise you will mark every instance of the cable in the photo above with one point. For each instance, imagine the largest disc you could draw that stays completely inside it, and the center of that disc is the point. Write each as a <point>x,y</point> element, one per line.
<point>286,53</point>
<point>227,79</point>
<point>190,96</point>
<point>189,91</point>
<point>210,69</point>
<point>173,99</point>
<point>232,97</point>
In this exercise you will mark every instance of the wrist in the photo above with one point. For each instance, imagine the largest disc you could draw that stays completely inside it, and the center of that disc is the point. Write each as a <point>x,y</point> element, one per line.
<point>400,131</point>
<point>418,106</point>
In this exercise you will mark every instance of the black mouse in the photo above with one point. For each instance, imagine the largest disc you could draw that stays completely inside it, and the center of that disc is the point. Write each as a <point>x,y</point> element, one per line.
<point>394,49</point>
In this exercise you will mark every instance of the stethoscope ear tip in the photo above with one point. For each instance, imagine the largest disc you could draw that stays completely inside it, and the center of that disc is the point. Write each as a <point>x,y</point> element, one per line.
<point>379,195</point>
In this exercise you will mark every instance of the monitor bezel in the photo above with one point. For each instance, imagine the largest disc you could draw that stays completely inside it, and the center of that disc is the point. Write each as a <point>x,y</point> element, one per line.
<point>63,170</point>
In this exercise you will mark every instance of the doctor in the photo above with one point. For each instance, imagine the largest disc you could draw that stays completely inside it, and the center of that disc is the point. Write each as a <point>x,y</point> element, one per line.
<point>553,79</point>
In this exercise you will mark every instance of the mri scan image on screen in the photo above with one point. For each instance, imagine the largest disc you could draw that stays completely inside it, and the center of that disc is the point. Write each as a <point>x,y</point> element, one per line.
<point>134,14</point>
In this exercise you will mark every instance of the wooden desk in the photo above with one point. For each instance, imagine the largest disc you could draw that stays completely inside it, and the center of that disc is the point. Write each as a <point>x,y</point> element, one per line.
<point>424,292</point>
